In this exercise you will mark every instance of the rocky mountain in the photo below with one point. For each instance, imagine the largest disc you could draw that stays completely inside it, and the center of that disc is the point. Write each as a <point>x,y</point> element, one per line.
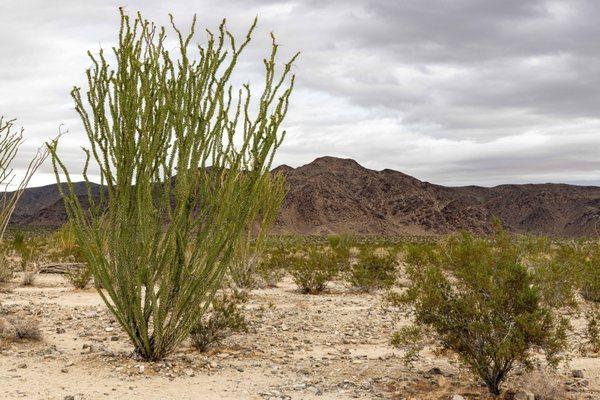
<point>333,195</point>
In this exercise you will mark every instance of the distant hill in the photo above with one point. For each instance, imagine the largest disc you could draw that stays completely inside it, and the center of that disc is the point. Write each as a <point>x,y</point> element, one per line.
<point>333,195</point>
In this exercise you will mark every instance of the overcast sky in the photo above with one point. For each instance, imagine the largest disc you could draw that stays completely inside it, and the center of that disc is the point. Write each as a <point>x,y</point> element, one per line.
<point>454,92</point>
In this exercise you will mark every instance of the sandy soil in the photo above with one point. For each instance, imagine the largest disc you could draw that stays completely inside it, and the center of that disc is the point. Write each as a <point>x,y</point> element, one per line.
<point>331,346</point>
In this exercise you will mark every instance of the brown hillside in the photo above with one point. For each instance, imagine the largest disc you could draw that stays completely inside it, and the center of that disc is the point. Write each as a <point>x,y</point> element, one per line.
<point>333,195</point>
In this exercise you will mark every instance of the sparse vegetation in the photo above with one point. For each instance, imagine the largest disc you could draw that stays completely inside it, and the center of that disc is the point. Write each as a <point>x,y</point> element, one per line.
<point>313,268</point>
<point>226,316</point>
<point>373,270</point>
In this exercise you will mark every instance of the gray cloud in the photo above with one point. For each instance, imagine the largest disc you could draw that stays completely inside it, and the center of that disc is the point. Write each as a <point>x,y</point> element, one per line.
<point>460,92</point>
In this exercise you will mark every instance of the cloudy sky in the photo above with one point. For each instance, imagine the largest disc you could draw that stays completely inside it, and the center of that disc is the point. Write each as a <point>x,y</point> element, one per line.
<point>453,92</point>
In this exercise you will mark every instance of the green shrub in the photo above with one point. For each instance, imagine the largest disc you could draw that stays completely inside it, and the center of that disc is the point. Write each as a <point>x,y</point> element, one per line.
<point>556,275</point>
<point>79,278</point>
<point>226,316</point>
<point>185,161</point>
<point>6,270</point>
<point>590,271</point>
<point>271,268</point>
<point>313,269</point>
<point>373,270</point>
<point>477,300</point>
<point>592,331</point>
<point>248,255</point>
<point>341,246</point>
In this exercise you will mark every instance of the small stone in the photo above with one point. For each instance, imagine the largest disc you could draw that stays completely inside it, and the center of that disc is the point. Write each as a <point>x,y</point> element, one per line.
<point>114,338</point>
<point>60,330</point>
<point>109,329</point>
<point>577,373</point>
<point>457,397</point>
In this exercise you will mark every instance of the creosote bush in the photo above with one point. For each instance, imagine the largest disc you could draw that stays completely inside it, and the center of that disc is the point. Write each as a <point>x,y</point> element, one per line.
<point>271,267</point>
<point>184,159</point>
<point>226,316</point>
<point>313,268</point>
<point>474,297</point>
<point>589,259</point>
<point>373,270</point>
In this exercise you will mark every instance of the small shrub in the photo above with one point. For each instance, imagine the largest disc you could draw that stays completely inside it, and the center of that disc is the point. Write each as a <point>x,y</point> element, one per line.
<point>226,316</point>
<point>6,271</point>
<point>477,300</point>
<point>555,275</point>
<point>79,277</point>
<point>373,270</point>
<point>590,272</point>
<point>29,278</point>
<point>313,269</point>
<point>592,331</point>
<point>20,329</point>
<point>543,386</point>
<point>27,330</point>
<point>271,268</point>
<point>341,245</point>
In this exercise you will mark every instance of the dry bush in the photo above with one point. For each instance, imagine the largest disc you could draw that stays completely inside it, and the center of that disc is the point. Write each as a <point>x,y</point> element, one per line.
<point>27,330</point>
<point>543,385</point>
<point>20,329</point>
<point>29,278</point>
<point>6,271</point>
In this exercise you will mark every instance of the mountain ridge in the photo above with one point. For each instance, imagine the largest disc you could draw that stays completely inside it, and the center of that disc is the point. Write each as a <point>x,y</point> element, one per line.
<point>337,195</point>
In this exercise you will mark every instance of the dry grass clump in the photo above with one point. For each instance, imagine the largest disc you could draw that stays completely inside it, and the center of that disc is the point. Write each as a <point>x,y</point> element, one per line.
<point>20,329</point>
<point>544,386</point>
<point>6,271</point>
<point>29,278</point>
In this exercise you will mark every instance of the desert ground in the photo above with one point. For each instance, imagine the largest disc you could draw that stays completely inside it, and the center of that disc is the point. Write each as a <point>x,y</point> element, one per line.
<point>329,346</point>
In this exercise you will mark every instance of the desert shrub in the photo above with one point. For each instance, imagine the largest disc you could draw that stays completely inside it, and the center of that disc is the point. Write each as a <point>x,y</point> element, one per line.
<point>27,330</point>
<point>477,300</point>
<point>271,268</point>
<point>592,329</point>
<point>29,277</point>
<point>184,159</point>
<point>341,245</point>
<point>589,258</point>
<point>313,268</point>
<point>373,270</point>
<point>64,247</point>
<point>29,250</point>
<point>79,278</point>
<point>6,270</point>
<point>248,254</point>
<point>226,316</point>
<point>20,329</point>
<point>556,275</point>
<point>543,385</point>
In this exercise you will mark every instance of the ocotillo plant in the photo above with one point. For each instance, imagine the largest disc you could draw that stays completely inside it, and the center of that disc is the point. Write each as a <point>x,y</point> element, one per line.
<point>183,157</point>
<point>10,142</point>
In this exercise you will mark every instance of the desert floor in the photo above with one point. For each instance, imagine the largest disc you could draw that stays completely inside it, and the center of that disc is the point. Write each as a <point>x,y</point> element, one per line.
<point>330,346</point>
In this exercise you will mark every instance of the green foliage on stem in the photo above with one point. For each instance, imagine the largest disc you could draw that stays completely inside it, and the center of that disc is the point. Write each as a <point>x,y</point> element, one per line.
<point>185,159</point>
